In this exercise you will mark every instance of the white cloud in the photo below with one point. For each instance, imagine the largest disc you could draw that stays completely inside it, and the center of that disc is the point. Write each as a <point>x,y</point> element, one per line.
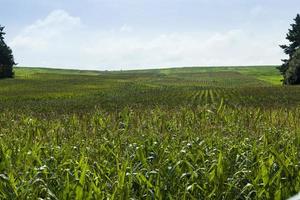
<point>61,40</point>
<point>126,28</point>
<point>41,34</point>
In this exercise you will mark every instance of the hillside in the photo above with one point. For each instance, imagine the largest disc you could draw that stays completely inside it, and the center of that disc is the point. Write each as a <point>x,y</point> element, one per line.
<point>244,86</point>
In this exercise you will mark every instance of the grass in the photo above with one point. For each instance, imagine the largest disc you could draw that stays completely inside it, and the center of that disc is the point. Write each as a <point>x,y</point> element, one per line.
<point>188,133</point>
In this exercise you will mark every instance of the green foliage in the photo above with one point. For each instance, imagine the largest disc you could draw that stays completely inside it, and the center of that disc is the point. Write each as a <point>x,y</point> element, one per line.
<point>178,153</point>
<point>6,58</point>
<point>293,36</point>
<point>190,133</point>
<point>292,75</point>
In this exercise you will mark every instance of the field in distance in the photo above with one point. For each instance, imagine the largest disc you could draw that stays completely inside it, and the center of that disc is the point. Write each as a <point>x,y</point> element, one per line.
<point>74,90</point>
<point>180,133</point>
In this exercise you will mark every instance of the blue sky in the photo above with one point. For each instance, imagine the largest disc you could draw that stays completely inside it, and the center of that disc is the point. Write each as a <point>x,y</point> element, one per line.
<point>132,34</point>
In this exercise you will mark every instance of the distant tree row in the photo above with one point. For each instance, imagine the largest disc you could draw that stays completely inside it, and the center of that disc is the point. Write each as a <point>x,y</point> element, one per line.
<point>290,69</point>
<point>6,58</point>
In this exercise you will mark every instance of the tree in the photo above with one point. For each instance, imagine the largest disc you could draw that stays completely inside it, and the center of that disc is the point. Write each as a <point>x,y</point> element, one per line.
<point>6,57</point>
<point>293,36</point>
<point>292,74</point>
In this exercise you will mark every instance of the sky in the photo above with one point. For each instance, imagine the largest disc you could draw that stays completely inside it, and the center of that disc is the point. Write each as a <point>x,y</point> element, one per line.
<point>140,34</point>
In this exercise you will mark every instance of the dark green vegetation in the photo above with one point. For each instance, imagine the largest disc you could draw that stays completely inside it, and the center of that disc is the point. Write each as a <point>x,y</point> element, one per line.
<point>188,133</point>
<point>292,74</point>
<point>290,69</point>
<point>6,58</point>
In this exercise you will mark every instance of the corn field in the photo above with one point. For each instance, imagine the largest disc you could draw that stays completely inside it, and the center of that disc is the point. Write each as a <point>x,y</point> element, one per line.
<point>148,135</point>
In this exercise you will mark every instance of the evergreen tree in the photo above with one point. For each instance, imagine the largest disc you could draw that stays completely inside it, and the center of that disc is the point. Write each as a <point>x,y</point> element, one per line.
<point>292,74</point>
<point>293,36</point>
<point>6,58</point>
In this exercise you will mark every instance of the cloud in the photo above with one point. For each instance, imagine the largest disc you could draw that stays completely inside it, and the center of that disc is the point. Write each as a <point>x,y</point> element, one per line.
<point>40,34</point>
<point>126,28</point>
<point>62,40</point>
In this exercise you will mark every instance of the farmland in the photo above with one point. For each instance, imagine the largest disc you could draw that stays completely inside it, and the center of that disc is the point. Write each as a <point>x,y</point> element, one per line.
<point>182,133</point>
